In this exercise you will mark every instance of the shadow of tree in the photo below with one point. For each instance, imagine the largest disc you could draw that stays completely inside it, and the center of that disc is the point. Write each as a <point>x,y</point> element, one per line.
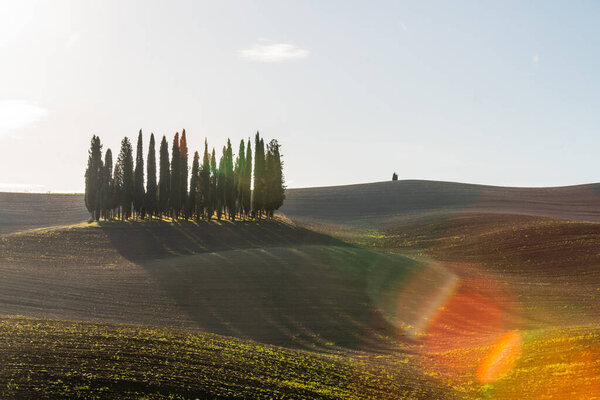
<point>267,281</point>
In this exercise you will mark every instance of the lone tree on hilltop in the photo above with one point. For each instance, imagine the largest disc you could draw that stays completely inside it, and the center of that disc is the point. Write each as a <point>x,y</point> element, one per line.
<point>394,176</point>
<point>164,183</point>
<point>151,203</point>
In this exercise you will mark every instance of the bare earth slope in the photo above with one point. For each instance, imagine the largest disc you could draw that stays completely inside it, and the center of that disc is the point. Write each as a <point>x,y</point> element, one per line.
<point>363,203</point>
<point>380,202</point>
<point>21,211</point>
<point>491,291</point>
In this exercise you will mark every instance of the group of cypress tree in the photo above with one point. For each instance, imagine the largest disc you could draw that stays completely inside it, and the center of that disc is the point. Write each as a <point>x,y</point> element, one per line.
<point>222,189</point>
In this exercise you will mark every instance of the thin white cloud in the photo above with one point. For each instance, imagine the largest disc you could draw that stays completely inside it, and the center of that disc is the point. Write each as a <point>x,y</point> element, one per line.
<point>267,52</point>
<point>17,114</point>
<point>536,59</point>
<point>403,26</point>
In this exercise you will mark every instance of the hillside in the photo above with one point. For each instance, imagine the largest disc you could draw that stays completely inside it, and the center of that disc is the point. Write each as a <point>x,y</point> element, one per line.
<point>384,202</point>
<point>47,359</point>
<point>416,280</point>
<point>371,203</point>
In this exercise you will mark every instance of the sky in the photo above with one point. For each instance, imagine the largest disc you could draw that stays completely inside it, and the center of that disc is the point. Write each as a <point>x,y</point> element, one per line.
<point>501,93</point>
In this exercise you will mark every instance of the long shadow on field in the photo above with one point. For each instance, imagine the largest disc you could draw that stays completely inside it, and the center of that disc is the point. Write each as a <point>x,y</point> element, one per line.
<point>270,281</point>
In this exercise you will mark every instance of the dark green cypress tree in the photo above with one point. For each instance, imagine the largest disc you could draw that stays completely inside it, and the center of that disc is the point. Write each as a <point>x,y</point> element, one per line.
<point>138,179</point>
<point>238,174</point>
<point>127,189</point>
<point>259,166</point>
<point>214,172</point>
<point>164,183</point>
<point>194,193</point>
<point>183,172</point>
<point>229,182</point>
<point>274,180</point>
<point>248,180</point>
<point>151,203</point>
<point>117,188</point>
<point>221,184</point>
<point>175,193</point>
<point>107,185</point>
<point>205,181</point>
<point>93,178</point>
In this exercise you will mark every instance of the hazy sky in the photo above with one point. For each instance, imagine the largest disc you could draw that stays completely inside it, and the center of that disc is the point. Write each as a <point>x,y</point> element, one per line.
<point>486,92</point>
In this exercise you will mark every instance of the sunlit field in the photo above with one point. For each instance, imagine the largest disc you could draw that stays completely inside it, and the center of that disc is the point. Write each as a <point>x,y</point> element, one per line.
<point>439,298</point>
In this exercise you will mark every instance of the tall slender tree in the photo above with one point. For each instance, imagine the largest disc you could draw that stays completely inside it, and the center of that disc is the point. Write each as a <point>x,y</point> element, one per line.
<point>183,173</point>
<point>138,178</point>
<point>248,180</point>
<point>194,193</point>
<point>259,169</point>
<point>175,194</point>
<point>151,203</point>
<point>117,188</point>
<point>107,185</point>
<point>229,181</point>
<point>93,178</point>
<point>164,183</point>
<point>221,184</point>
<point>205,181</point>
<point>274,181</point>
<point>214,172</point>
<point>125,160</point>
<point>239,180</point>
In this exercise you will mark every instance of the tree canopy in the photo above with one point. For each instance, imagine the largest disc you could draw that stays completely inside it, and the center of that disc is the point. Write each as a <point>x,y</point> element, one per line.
<point>236,186</point>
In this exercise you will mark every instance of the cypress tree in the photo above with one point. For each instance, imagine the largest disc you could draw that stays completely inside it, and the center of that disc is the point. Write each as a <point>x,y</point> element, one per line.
<point>229,181</point>
<point>125,160</point>
<point>164,183</point>
<point>214,172</point>
<point>151,203</point>
<point>138,180</point>
<point>183,173</point>
<point>239,179</point>
<point>117,188</point>
<point>247,180</point>
<point>93,178</point>
<point>205,181</point>
<point>259,167</point>
<point>221,184</point>
<point>107,184</point>
<point>194,188</point>
<point>175,193</point>
<point>274,180</point>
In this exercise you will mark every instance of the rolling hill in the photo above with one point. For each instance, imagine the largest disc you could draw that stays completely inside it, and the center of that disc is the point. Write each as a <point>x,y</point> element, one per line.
<point>433,287</point>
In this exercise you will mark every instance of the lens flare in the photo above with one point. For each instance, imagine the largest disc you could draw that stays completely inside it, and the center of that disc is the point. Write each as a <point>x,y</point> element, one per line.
<point>501,358</point>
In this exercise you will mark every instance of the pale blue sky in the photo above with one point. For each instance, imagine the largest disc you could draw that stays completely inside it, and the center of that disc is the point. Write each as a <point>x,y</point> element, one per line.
<point>503,93</point>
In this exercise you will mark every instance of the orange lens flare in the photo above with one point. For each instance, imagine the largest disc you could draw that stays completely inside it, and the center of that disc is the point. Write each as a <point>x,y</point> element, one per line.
<point>501,358</point>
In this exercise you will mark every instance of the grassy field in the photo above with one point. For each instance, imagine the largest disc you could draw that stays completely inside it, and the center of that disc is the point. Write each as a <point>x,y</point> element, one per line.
<point>439,290</point>
<point>58,359</point>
